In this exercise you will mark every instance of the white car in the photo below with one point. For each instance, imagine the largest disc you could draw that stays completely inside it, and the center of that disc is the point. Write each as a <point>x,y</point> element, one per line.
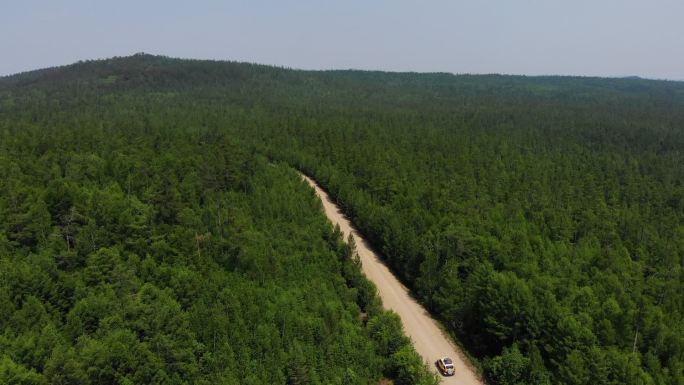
<point>446,366</point>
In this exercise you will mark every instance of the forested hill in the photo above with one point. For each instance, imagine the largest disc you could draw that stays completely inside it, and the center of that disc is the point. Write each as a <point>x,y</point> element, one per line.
<point>260,83</point>
<point>140,246</point>
<point>541,218</point>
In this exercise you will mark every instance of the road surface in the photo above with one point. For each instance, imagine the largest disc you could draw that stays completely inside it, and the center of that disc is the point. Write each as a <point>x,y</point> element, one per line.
<point>423,330</point>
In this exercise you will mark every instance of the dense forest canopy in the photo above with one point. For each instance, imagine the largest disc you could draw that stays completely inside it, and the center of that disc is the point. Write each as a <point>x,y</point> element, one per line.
<point>540,218</point>
<point>141,247</point>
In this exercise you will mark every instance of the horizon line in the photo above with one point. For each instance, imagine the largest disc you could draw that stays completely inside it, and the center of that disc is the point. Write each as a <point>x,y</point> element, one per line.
<point>142,53</point>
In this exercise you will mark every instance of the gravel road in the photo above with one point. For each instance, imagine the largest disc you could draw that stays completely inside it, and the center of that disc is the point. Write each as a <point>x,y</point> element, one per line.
<point>428,339</point>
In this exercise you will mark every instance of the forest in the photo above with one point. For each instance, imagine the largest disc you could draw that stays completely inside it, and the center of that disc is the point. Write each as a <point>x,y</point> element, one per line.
<point>152,203</point>
<point>135,250</point>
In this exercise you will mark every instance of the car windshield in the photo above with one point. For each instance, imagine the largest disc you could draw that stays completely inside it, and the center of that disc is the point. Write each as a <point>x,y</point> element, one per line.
<point>447,361</point>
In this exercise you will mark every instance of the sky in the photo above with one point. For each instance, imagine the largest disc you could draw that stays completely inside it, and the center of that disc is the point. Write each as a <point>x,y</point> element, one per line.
<point>531,37</point>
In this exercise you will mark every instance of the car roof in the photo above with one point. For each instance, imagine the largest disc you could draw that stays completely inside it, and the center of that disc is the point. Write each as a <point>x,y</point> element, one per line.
<point>447,360</point>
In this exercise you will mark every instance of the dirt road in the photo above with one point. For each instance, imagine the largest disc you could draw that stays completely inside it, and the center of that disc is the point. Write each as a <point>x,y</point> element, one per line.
<point>427,337</point>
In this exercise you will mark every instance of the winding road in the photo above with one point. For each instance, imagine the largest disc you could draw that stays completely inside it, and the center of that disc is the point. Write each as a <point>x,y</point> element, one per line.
<point>427,336</point>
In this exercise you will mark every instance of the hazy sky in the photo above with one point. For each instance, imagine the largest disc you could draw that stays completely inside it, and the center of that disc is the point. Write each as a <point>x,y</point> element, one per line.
<point>571,37</point>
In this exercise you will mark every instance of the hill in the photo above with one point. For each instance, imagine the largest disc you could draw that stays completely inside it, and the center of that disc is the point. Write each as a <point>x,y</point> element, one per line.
<point>541,218</point>
<point>139,246</point>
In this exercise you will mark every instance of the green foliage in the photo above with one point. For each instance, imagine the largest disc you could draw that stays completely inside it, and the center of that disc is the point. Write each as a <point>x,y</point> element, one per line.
<point>408,369</point>
<point>140,249</point>
<point>13,373</point>
<point>542,219</point>
<point>510,368</point>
